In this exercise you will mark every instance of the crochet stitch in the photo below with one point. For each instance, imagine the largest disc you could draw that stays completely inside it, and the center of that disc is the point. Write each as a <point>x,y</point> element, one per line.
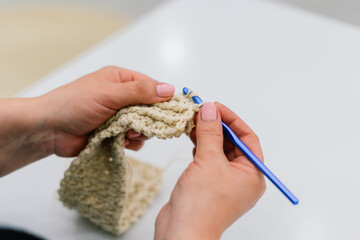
<point>108,188</point>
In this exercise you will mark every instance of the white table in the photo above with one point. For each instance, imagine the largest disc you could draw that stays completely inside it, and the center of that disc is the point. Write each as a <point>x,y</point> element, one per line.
<point>293,76</point>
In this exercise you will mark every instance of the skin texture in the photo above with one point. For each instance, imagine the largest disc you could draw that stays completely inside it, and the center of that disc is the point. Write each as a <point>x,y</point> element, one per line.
<point>218,187</point>
<point>60,121</point>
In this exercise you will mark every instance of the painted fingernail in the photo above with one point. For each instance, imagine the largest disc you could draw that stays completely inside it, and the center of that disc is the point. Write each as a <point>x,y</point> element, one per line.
<point>165,90</point>
<point>133,134</point>
<point>126,142</point>
<point>208,112</point>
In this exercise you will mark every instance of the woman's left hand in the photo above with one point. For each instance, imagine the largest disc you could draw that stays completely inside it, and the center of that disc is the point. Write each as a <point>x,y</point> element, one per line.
<point>60,121</point>
<point>83,105</point>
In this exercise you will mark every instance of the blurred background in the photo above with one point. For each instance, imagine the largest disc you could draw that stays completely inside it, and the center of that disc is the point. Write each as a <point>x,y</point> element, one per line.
<point>38,36</point>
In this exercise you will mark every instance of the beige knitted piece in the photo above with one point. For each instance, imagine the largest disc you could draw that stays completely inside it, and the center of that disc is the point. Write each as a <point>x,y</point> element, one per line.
<point>106,187</point>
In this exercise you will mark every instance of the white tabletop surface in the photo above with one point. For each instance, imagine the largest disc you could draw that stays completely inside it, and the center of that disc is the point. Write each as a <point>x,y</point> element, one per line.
<point>293,76</point>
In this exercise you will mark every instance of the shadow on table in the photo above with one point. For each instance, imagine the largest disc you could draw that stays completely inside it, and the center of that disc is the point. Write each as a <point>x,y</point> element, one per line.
<point>87,226</point>
<point>13,233</point>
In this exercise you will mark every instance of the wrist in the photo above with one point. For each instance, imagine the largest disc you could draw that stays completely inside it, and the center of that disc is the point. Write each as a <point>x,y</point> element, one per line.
<point>42,133</point>
<point>190,234</point>
<point>174,225</point>
<point>25,135</point>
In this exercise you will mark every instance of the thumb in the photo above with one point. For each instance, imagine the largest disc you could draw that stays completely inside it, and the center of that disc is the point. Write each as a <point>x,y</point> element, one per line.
<point>145,91</point>
<point>209,134</point>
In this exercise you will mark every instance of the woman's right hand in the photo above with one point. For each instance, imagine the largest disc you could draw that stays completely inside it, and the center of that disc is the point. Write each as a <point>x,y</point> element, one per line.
<point>219,186</point>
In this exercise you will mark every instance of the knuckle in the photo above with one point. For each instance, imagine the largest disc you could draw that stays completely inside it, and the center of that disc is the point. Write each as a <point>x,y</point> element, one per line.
<point>110,68</point>
<point>139,88</point>
<point>256,137</point>
<point>212,131</point>
<point>260,186</point>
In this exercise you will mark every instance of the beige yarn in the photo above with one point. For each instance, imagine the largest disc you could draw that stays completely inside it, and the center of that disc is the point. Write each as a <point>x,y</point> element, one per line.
<point>114,191</point>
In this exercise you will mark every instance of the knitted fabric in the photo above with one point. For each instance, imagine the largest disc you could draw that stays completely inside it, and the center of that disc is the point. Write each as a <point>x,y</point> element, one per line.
<point>108,188</point>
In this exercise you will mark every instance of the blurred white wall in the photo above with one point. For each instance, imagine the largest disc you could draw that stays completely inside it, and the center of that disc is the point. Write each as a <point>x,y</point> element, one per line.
<point>344,10</point>
<point>37,36</point>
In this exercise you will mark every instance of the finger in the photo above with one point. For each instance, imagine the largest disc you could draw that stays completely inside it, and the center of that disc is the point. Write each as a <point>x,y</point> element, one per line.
<point>230,150</point>
<point>209,136</point>
<point>241,129</point>
<point>146,91</point>
<point>194,151</point>
<point>241,162</point>
<point>133,135</point>
<point>234,153</point>
<point>119,75</point>
<point>193,136</point>
<point>133,144</point>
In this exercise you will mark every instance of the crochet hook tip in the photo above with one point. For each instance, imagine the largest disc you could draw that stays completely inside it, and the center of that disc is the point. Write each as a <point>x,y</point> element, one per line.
<point>185,90</point>
<point>193,96</point>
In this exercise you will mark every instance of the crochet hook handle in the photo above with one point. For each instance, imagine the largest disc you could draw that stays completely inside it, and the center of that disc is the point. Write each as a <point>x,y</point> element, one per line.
<point>229,134</point>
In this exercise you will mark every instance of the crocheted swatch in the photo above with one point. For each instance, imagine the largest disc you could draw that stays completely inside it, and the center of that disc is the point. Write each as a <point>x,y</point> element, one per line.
<point>108,188</point>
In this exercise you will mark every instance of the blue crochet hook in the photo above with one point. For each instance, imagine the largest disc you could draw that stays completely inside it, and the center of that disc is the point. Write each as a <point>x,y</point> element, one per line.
<point>229,134</point>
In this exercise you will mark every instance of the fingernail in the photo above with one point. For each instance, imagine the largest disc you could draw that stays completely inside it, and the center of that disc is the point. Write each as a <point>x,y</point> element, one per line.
<point>165,90</point>
<point>208,112</point>
<point>126,142</point>
<point>133,134</point>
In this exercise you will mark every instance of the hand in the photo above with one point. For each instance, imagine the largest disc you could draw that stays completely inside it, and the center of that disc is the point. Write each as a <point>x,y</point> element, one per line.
<point>60,121</point>
<point>83,105</point>
<point>219,186</point>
